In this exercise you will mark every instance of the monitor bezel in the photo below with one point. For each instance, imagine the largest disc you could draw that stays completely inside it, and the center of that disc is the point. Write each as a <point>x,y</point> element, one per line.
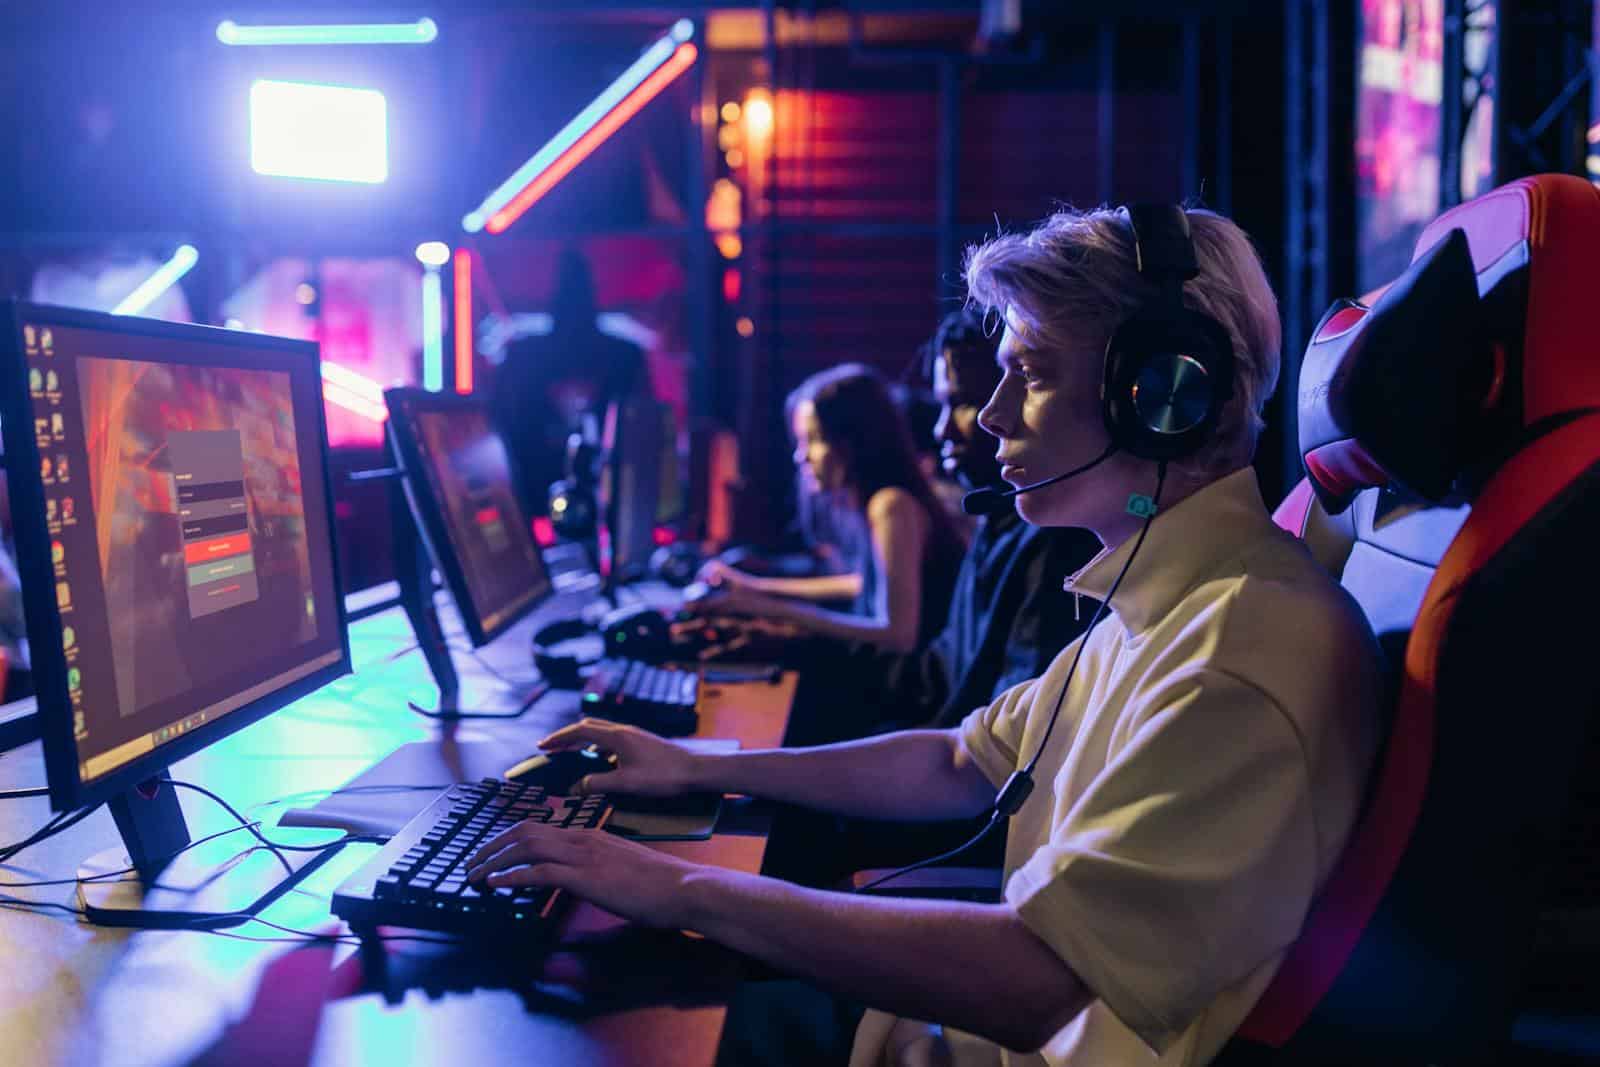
<point>428,511</point>
<point>67,790</point>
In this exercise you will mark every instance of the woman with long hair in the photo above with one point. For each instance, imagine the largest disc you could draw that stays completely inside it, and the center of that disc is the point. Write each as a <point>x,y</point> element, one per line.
<point>854,454</point>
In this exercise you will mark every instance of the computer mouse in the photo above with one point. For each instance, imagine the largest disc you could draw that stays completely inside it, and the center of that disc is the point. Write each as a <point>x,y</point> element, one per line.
<point>559,771</point>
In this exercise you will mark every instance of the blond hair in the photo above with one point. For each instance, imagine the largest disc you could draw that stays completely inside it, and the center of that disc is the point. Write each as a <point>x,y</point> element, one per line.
<point>1073,278</point>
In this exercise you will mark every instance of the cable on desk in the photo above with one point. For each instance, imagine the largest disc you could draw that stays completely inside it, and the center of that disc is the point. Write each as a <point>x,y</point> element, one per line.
<point>58,823</point>
<point>301,937</point>
<point>108,875</point>
<point>18,794</point>
<point>276,846</point>
<point>499,675</point>
<point>19,904</point>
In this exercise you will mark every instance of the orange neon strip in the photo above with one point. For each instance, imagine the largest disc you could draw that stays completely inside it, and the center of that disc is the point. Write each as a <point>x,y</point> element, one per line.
<point>629,106</point>
<point>462,321</point>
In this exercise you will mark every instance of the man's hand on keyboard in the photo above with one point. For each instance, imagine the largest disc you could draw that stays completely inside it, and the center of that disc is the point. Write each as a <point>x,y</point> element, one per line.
<point>647,765</point>
<point>621,876</point>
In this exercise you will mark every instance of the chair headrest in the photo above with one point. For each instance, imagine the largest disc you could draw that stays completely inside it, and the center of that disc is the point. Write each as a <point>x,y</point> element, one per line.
<point>1535,241</point>
<point>1389,393</point>
<point>1482,342</point>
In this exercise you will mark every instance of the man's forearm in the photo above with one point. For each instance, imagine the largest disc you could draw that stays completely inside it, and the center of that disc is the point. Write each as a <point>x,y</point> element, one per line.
<point>972,966</point>
<point>922,775</point>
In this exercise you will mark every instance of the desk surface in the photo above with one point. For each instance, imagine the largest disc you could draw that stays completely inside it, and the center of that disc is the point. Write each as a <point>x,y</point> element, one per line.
<point>610,993</point>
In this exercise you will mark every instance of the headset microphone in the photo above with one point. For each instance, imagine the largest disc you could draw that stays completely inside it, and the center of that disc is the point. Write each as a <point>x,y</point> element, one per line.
<point>995,501</point>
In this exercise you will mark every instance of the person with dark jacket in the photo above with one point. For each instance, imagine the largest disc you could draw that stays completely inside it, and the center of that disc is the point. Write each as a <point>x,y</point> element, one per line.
<point>1009,615</point>
<point>548,383</point>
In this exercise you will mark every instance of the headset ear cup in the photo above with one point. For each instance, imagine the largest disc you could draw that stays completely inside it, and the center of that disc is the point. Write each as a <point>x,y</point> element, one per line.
<point>1168,375</point>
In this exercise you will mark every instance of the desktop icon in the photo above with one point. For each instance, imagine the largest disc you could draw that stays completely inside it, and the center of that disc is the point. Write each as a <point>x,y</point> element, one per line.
<point>58,426</point>
<point>30,336</point>
<point>69,637</point>
<point>52,383</point>
<point>49,511</point>
<point>45,468</point>
<point>66,509</point>
<point>41,427</point>
<point>46,340</point>
<point>58,552</point>
<point>74,678</point>
<point>61,466</point>
<point>63,595</point>
<point>35,381</point>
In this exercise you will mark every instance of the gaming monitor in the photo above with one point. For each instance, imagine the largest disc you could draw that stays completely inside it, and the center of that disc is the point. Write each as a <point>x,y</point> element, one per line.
<point>638,476</point>
<point>460,498</point>
<point>458,482</point>
<point>170,497</point>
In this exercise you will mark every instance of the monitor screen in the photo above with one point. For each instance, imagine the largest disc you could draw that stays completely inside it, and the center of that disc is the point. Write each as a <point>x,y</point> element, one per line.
<point>674,494</point>
<point>172,512</point>
<point>459,480</point>
<point>631,482</point>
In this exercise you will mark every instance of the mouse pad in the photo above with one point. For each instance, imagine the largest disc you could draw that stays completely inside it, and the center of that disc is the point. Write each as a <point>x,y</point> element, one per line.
<point>399,786</point>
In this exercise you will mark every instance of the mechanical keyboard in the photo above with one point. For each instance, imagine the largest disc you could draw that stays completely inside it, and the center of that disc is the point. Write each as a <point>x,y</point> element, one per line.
<point>660,699</point>
<point>419,879</point>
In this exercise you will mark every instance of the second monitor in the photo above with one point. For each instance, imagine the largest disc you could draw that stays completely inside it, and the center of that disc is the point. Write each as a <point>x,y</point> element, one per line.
<point>460,496</point>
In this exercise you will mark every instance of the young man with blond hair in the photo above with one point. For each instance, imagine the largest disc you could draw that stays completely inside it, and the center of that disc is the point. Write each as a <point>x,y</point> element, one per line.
<point>1201,754</point>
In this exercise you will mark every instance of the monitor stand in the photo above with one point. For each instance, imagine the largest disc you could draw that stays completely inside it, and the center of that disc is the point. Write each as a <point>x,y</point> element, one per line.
<point>170,886</point>
<point>473,699</point>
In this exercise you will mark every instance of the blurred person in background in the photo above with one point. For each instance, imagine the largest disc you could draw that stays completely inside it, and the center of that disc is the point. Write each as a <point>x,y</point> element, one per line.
<point>549,382</point>
<point>855,458</point>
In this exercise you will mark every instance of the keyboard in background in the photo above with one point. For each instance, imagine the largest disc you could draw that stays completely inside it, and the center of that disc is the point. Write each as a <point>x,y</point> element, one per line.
<point>419,878</point>
<point>660,699</point>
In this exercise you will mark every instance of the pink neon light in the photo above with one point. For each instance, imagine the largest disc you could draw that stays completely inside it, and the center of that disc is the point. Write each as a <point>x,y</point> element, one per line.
<point>609,123</point>
<point>463,320</point>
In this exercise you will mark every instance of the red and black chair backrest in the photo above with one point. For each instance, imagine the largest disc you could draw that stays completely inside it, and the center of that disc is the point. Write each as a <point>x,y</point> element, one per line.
<point>1474,378</point>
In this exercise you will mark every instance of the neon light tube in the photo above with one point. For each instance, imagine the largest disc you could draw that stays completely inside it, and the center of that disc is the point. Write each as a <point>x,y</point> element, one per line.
<point>164,278</point>
<point>422,31</point>
<point>653,60</point>
<point>359,385</point>
<point>463,320</point>
<point>432,331</point>
<point>613,120</point>
<point>338,397</point>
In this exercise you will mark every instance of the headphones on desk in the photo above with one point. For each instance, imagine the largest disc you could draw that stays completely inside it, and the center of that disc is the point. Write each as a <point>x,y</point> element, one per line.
<point>561,670</point>
<point>634,631</point>
<point>1168,368</point>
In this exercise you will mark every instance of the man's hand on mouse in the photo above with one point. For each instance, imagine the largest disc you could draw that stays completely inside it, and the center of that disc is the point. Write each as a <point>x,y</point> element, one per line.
<point>646,765</point>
